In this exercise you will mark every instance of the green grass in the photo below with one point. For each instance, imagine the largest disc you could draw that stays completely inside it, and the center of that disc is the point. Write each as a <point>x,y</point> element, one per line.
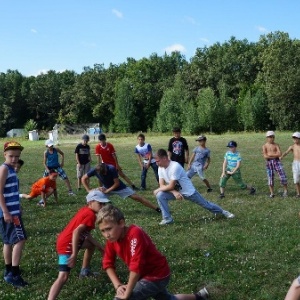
<point>254,256</point>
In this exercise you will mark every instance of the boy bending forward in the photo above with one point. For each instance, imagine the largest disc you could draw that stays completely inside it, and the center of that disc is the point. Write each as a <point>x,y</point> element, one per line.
<point>149,272</point>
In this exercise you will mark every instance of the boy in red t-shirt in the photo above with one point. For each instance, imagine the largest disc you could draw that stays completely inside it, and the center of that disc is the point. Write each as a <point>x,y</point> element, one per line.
<point>44,187</point>
<point>75,236</point>
<point>149,272</point>
<point>106,153</point>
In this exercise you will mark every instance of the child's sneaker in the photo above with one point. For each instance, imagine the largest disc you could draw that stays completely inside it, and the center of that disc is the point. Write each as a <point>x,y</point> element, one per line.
<point>209,190</point>
<point>221,196</point>
<point>272,196</point>
<point>16,281</point>
<point>228,214</point>
<point>41,203</point>
<point>203,293</point>
<point>252,191</point>
<point>166,221</point>
<point>285,194</point>
<point>85,272</point>
<point>71,193</point>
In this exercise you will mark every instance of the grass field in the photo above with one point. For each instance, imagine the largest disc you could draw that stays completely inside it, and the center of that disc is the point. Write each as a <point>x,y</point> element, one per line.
<point>254,256</point>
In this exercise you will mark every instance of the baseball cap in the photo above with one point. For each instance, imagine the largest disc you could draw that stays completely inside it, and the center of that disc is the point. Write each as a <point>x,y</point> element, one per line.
<point>85,137</point>
<point>97,196</point>
<point>101,137</point>
<point>270,133</point>
<point>201,138</point>
<point>12,145</point>
<point>296,135</point>
<point>232,144</point>
<point>49,143</point>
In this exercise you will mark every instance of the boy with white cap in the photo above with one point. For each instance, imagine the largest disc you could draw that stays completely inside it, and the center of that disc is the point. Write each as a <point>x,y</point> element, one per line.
<point>75,236</point>
<point>295,148</point>
<point>272,154</point>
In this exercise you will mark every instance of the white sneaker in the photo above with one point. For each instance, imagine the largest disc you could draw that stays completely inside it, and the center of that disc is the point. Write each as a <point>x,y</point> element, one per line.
<point>228,214</point>
<point>166,221</point>
<point>71,193</point>
<point>203,293</point>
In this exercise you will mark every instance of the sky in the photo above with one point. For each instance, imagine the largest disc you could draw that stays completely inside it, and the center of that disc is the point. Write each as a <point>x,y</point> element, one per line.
<point>41,35</point>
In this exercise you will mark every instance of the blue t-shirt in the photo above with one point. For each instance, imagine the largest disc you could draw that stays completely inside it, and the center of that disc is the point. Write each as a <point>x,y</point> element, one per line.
<point>52,159</point>
<point>201,156</point>
<point>108,179</point>
<point>11,192</point>
<point>232,159</point>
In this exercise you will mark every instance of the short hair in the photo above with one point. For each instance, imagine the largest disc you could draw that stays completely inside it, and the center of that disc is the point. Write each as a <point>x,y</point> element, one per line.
<point>161,153</point>
<point>109,213</point>
<point>176,129</point>
<point>20,162</point>
<point>102,168</point>
<point>101,137</point>
<point>141,135</point>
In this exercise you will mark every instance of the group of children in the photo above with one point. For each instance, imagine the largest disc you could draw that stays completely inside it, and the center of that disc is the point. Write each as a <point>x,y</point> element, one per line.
<point>149,272</point>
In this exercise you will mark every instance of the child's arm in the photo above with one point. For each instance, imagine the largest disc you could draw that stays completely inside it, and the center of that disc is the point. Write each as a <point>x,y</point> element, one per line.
<point>95,243</point>
<point>45,161</point>
<point>207,163</point>
<point>235,169</point>
<point>85,182</point>
<point>224,167</point>
<point>55,195</point>
<point>290,149</point>
<point>6,214</point>
<point>62,157</point>
<point>111,273</point>
<point>114,155</point>
<point>191,160</point>
<point>139,158</point>
<point>75,241</point>
<point>124,292</point>
<point>186,154</point>
<point>112,188</point>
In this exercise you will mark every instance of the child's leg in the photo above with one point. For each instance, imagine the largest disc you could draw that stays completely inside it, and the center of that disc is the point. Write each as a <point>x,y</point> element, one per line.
<point>17,253</point>
<point>270,174</point>
<point>280,171</point>
<point>223,181</point>
<point>121,174</point>
<point>7,254</point>
<point>294,291</point>
<point>88,253</point>
<point>58,284</point>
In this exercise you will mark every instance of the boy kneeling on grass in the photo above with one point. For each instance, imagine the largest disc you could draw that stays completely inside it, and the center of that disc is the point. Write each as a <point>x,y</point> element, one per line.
<point>76,236</point>
<point>149,272</point>
<point>44,187</point>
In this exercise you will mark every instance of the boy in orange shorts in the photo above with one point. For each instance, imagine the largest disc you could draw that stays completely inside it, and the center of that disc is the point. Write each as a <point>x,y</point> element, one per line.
<point>45,186</point>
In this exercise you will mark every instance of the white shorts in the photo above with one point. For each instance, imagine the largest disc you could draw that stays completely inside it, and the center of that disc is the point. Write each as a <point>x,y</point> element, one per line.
<point>196,170</point>
<point>296,171</point>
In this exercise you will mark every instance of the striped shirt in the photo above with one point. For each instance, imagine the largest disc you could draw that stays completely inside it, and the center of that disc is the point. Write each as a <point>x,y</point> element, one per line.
<point>11,192</point>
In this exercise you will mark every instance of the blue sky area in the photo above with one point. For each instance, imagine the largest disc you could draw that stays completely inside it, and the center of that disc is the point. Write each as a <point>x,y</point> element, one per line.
<point>41,35</point>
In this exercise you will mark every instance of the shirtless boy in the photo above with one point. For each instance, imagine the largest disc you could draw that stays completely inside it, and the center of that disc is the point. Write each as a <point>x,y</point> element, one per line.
<point>272,155</point>
<point>295,148</point>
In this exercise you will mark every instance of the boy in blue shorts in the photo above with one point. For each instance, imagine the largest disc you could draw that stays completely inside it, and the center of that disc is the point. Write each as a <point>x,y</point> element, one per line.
<point>200,161</point>
<point>51,162</point>
<point>11,225</point>
<point>75,236</point>
<point>231,168</point>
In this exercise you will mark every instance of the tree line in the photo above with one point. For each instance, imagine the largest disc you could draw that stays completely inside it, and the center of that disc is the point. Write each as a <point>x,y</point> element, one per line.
<point>236,86</point>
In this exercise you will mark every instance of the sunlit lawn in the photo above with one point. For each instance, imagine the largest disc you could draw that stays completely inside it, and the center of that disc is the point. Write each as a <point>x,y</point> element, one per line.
<point>254,256</point>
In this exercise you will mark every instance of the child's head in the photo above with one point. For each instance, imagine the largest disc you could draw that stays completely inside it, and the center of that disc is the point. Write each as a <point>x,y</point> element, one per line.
<point>141,139</point>
<point>177,132</point>
<point>232,146</point>
<point>12,152</point>
<point>49,143</point>
<point>296,137</point>
<point>53,175</point>
<point>96,200</point>
<point>270,135</point>
<point>111,222</point>
<point>19,165</point>
<point>85,139</point>
<point>201,139</point>
<point>102,138</point>
<point>101,169</point>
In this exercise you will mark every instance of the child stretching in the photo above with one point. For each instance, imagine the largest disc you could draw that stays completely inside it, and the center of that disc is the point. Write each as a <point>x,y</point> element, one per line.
<point>149,272</point>
<point>44,187</point>
<point>200,161</point>
<point>295,148</point>
<point>74,237</point>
